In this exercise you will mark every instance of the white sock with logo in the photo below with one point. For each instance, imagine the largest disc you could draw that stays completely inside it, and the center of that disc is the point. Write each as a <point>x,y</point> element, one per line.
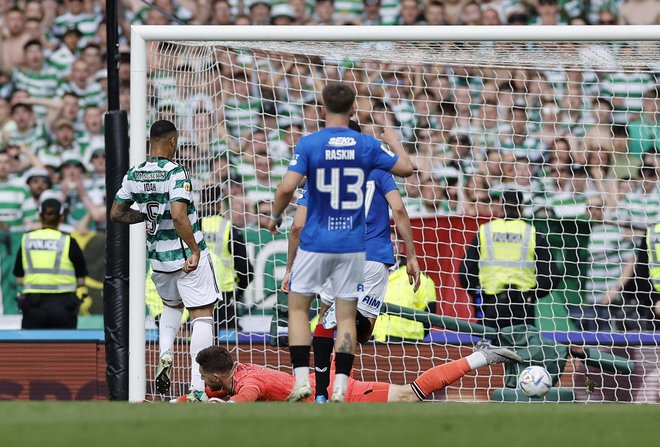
<point>168,327</point>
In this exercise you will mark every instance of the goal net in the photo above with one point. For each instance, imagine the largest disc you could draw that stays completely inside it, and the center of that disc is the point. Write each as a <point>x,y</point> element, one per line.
<point>568,128</point>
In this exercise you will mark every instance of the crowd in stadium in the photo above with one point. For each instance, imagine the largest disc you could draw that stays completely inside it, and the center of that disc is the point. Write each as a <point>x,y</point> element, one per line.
<point>581,145</point>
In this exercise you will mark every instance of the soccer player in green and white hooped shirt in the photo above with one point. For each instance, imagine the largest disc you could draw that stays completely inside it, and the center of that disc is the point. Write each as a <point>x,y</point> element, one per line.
<point>183,270</point>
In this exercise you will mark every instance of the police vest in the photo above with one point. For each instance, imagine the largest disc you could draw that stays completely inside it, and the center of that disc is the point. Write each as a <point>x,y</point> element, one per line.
<point>46,262</point>
<point>507,256</point>
<point>217,233</point>
<point>653,247</point>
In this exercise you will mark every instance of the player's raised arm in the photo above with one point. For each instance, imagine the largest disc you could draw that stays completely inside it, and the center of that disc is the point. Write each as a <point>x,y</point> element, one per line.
<point>283,197</point>
<point>402,221</point>
<point>403,166</point>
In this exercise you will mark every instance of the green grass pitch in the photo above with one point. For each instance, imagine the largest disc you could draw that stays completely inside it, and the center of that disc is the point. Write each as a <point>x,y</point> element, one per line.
<point>98,424</point>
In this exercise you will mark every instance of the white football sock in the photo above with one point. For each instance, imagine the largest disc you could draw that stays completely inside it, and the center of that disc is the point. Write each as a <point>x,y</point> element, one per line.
<point>477,360</point>
<point>202,337</point>
<point>168,328</point>
<point>301,374</point>
<point>341,382</point>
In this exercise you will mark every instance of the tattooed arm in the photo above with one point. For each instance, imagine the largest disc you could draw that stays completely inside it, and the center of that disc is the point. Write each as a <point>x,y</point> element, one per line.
<point>121,213</point>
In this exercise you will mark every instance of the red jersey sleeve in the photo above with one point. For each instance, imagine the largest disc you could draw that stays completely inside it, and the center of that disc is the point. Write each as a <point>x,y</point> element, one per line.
<point>254,383</point>
<point>251,389</point>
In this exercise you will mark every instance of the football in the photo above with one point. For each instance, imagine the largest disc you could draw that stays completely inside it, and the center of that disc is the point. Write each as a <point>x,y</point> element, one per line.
<point>534,381</point>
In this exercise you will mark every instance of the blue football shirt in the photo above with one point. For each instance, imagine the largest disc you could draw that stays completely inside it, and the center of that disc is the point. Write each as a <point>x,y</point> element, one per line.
<point>302,198</point>
<point>337,162</point>
<point>379,243</point>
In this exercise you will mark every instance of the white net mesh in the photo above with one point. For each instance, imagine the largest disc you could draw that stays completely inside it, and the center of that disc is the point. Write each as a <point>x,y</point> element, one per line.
<point>571,126</point>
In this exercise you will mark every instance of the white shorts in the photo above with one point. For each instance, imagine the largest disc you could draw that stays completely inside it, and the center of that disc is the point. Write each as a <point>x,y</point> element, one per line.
<point>376,275</point>
<point>195,289</point>
<point>343,271</point>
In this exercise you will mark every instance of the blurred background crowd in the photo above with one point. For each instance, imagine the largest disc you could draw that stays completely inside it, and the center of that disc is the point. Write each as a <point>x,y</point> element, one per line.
<point>581,144</point>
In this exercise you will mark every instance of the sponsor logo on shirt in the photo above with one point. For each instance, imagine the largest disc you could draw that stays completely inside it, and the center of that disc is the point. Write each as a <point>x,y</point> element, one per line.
<point>371,301</point>
<point>342,141</point>
<point>387,150</point>
<point>9,214</point>
<point>294,160</point>
<point>150,176</point>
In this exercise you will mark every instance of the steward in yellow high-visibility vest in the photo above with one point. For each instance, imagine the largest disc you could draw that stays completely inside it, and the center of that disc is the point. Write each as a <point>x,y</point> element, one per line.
<point>653,250</point>
<point>50,266</point>
<point>217,233</point>
<point>507,267</point>
<point>390,327</point>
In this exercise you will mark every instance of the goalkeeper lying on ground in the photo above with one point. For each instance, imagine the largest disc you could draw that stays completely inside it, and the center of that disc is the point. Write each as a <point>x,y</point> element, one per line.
<point>246,382</point>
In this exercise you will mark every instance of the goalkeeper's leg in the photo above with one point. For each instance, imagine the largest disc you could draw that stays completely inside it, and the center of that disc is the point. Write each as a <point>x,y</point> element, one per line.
<point>438,377</point>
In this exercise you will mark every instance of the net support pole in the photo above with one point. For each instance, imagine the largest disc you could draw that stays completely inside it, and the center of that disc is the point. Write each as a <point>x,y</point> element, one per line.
<point>138,238</point>
<point>115,285</point>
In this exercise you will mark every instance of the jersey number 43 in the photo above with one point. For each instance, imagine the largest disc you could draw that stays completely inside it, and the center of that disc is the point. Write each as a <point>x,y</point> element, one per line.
<point>353,178</point>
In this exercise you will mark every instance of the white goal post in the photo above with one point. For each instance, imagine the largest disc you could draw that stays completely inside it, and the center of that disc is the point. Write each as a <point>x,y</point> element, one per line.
<point>139,113</point>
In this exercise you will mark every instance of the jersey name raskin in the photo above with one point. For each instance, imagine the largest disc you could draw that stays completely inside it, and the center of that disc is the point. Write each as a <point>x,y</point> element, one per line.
<point>507,237</point>
<point>340,154</point>
<point>150,176</point>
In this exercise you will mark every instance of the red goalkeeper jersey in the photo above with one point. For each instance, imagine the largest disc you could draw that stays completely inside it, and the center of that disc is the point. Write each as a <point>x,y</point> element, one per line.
<point>254,382</point>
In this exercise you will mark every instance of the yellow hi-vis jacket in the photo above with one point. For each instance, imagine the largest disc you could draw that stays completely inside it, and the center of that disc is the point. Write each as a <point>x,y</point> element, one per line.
<point>46,262</point>
<point>653,247</point>
<point>217,234</point>
<point>507,256</point>
<point>400,292</point>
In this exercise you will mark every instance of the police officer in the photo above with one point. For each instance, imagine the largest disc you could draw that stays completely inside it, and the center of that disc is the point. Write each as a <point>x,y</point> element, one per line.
<point>507,267</point>
<point>227,247</point>
<point>50,266</point>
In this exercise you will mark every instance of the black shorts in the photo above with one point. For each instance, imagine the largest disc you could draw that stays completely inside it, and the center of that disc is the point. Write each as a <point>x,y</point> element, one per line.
<point>509,308</point>
<point>49,310</point>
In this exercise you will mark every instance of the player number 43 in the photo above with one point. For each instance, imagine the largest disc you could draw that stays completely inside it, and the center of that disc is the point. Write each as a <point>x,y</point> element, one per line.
<point>352,177</point>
